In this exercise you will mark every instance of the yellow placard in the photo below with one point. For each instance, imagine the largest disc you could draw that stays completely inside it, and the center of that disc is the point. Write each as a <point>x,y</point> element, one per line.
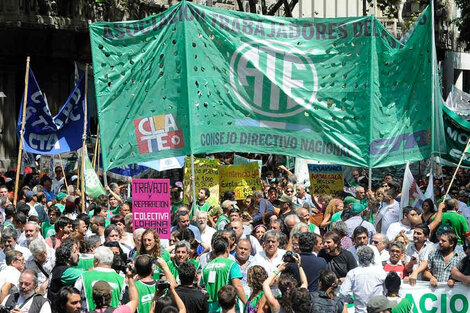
<point>207,176</point>
<point>243,179</point>
<point>325,179</point>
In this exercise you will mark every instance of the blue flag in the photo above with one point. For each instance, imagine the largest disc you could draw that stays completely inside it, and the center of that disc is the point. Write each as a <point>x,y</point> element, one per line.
<point>44,134</point>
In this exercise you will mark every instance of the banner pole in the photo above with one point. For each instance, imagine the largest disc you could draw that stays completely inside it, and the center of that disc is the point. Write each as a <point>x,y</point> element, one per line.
<point>82,174</point>
<point>194,184</point>
<point>105,178</point>
<point>370,178</point>
<point>23,117</point>
<point>96,144</point>
<point>63,174</point>
<point>98,157</point>
<point>458,166</point>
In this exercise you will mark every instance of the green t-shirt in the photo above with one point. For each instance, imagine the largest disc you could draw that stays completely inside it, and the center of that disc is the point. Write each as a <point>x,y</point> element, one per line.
<point>46,227</point>
<point>218,273</point>
<point>311,227</point>
<point>458,222</point>
<point>146,292</point>
<point>222,218</point>
<point>336,217</point>
<point>115,280</point>
<point>61,207</point>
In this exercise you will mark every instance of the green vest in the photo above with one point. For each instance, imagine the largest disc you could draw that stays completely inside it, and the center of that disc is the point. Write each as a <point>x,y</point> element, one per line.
<point>146,294</point>
<point>86,261</point>
<point>311,227</point>
<point>216,275</point>
<point>114,280</point>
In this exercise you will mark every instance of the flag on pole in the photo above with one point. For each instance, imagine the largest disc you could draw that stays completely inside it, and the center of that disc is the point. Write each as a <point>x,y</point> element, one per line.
<point>93,187</point>
<point>44,134</point>
<point>411,195</point>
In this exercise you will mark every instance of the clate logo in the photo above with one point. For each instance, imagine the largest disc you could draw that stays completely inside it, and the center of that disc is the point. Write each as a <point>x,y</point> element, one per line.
<point>272,78</point>
<point>157,133</point>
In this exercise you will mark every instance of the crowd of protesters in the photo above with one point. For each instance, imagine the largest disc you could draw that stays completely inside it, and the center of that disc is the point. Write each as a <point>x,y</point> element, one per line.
<point>281,249</point>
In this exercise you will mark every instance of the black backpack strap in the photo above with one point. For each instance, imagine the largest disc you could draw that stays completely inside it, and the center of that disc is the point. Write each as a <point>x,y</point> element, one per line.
<point>12,300</point>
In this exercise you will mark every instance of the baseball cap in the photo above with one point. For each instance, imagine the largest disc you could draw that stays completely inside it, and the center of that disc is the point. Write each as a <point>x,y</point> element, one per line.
<point>29,195</point>
<point>378,304</point>
<point>357,208</point>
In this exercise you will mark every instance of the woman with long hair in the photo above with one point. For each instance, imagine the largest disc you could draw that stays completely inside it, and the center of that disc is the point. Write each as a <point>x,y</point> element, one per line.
<point>334,206</point>
<point>256,302</point>
<point>127,239</point>
<point>151,246</point>
<point>428,211</point>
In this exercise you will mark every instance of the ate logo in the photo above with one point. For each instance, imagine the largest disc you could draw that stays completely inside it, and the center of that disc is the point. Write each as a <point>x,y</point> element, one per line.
<point>274,79</point>
<point>158,133</point>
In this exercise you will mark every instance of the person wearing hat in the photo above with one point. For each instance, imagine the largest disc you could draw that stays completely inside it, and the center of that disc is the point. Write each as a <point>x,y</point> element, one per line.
<point>286,207</point>
<point>356,219</point>
<point>62,199</point>
<point>31,200</point>
<point>380,304</point>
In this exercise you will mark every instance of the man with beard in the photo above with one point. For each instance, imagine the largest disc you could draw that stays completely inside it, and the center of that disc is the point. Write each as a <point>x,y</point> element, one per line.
<point>64,272</point>
<point>441,262</point>
<point>70,300</point>
<point>205,230</point>
<point>97,225</point>
<point>63,227</point>
<point>271,257</point>
<point>26,300</point>
<point>339,261</point>
<point>202,196</point>
<point>418,251</point>
<point>361,238</point>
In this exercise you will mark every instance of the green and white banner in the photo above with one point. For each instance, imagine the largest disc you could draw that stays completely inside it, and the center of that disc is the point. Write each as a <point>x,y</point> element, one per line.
<point>197,79</point>
<point>93,187</point>
<point>457,132</point>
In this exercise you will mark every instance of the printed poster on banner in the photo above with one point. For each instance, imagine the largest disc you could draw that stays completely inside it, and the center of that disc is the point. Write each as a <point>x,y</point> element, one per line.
<point>207,176</point>
<point>242,179</point>
<point>326,178</point>
<point>151,205</point>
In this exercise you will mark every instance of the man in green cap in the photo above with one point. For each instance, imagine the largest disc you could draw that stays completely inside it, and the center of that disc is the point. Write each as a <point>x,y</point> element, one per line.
<point>62,199</point>
<point>357,210</point>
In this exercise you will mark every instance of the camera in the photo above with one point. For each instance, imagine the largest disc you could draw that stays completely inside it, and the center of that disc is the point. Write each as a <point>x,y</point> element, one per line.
<point>289,257</point>
<point>162,284</point>
<point>5,309</point>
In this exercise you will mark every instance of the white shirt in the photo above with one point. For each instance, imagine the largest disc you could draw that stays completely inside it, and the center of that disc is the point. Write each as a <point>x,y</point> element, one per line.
<point>10,275</point>
<point>47,267</point>
<point>270,266</point>
<point>206,235</point>
<point>377,259</point>
<point>45,308</point>
<point>421,255</point>
<point>384,255</point>
<point>363,283</point>
<point>395,228</point>
<point>388,214</point>
<point>56,184</point>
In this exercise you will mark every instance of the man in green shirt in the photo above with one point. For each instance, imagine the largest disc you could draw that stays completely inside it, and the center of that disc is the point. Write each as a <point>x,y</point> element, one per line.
<point>103,260</point>
<point>202,196</point>
<point>48,226</point>
<point>87,260</point>
<point>182,249</point>
<point>456,221</point>
<point>220,272</point>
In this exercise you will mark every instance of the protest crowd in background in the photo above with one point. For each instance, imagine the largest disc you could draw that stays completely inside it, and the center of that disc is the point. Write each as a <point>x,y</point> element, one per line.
<point>281,249</point>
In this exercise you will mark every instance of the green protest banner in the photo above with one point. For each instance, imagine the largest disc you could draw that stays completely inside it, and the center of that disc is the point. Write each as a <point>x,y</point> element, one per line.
<point>457,132</point>
<point>198,79</point>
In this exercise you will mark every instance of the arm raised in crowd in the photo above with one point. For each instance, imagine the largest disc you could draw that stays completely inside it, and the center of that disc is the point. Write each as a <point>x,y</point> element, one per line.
<point>133,293</point>
<point>166,271</point>
<point>437,220</point>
